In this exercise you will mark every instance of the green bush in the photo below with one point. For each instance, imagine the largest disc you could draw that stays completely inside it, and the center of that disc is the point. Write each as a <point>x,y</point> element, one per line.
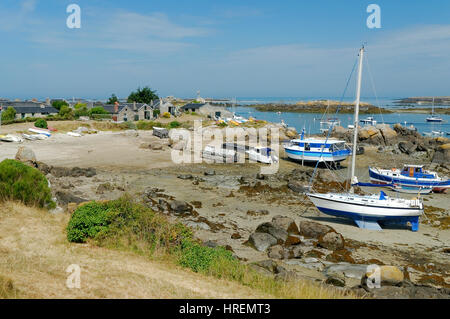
<point>24,183</point>
<point>174,124</point>
<point>97,110</point>
<point>156,113</point>
<point>41,123</point>
<point>87,221</point>
<point>124,224</point>
<point>202,258</point>
<point>9,114</point>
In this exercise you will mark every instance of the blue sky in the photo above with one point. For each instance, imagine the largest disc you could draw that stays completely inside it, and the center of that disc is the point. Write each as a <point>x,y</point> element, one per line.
<point>222,48</point>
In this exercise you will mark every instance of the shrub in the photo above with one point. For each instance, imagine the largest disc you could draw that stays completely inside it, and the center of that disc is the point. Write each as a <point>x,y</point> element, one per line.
<point>174,124</point>
<point>97,110</point>
<point>166,115</point>
<point>59,104</point>
<point>156,113</point>
<point>202,258</point>
<point>24,183</point>
<point>9,114</point>
<point>124,224</point>
<point>66,112</point>
<point>41,123</point>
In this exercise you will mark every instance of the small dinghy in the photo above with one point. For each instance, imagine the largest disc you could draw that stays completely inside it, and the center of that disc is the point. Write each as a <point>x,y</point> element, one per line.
<point>40,131</point>
<point>74,134</point>
<point>11,138</point>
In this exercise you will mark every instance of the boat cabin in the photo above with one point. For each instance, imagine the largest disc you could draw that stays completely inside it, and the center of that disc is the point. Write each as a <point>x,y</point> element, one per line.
<point>317,145</point>
<point>416,171</point>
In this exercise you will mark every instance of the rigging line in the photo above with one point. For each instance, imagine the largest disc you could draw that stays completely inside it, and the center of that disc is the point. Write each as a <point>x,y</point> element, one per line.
<point>332,125</point>
<point>374,90</point>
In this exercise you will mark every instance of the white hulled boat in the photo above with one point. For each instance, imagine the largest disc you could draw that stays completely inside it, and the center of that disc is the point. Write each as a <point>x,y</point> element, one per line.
<point>367,211</point>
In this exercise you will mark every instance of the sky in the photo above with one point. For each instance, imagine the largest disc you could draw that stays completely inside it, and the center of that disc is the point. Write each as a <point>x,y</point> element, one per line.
<point>222,48</point>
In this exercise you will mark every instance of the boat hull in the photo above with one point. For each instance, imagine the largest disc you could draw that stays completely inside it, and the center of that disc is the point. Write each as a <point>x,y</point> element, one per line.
<point>367,213</point>
<point>314,156</point>
<point>437,185</point>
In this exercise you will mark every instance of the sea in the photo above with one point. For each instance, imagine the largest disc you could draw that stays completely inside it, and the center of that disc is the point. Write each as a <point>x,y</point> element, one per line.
<point>311,121</point>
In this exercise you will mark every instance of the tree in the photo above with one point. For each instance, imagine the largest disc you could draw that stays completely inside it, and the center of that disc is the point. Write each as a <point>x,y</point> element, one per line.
<point>66,112</point>
<point>113,99</point>
<point>144,95</point>
<point>98,110</point>
<point>9,114</point>
<point>58,104</point>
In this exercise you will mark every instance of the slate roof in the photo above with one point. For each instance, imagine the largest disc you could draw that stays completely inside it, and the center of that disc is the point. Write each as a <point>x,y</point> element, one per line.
<point>35,109</point>
<point>191,106</point>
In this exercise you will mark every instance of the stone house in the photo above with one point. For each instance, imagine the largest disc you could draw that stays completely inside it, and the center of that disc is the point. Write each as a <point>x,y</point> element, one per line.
<point>130,112</point>
<point>207,109</point>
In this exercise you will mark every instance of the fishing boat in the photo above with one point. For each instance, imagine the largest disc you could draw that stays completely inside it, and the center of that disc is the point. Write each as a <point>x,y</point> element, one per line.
<point>316,149</point>
<point>369,121</point>
<point>433,117</point>
<point>434,134</point>
<point>410,176</point>
<point>367,211</point>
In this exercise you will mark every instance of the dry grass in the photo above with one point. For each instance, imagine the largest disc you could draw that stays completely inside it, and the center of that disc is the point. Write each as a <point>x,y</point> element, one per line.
<point>34,254</point>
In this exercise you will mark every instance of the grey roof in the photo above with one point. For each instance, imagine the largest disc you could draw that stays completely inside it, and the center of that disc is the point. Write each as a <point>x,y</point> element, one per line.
<point>191,106</point>
<point>35,109</point>
<point>15,104</point>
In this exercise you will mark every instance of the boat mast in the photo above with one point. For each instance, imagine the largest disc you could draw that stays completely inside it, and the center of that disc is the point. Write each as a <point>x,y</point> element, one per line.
<point>353,178</point>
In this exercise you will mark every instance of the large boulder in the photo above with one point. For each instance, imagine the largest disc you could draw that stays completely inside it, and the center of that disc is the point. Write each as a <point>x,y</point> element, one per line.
<point>286,223</point>
<point>180,207</point>
<point>442,154</point>
<point>279,252</point>
<point>26,155</point>
<point>314,230</point>
<point>406,147</point>
<point>297,186</point>
<point>331,240</point>
<point>261,241</point>
<point>278,233</point>
<point>389,135</point>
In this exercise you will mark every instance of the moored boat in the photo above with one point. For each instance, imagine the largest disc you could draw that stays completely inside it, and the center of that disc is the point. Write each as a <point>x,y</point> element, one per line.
<point>367,211</point>
<point>411,176</point>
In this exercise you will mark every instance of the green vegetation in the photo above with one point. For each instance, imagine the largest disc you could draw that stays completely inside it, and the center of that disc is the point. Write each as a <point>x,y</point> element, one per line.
<point>113,99</point>
<point>24,183</point>
<point>97,110</point>
<point>59,104</point>
<point>9,114</point>
<point>144,95</point>
<point>174,124</point>
<point>66,112</point>
<point>166,115</point>
<point>41,123</point>
<point>156,113</point>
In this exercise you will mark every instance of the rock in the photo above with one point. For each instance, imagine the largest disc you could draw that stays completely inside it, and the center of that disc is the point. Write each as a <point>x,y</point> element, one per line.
<point>197,225</point>
<point>292,240</point>
<point>286,223</point>
<point>236,236</point>
<point>71,208</point>
<point>209,173</point>
<point>360,150</point>
<point>268,264</point>
<point>261,241</point>
<point>180,207</point>
<point>260,176</point>
<point>338,281</point>
<point>277,232</point>
<point>26,155</point>
<point>389,135</point>
<point>105,187</point>
<point>65,198</point>
<point>442,154</point>
<point>185,176</point>
<point>276,252</point>
<point>156,146</point>
<point>347,270</point>
<point>314,230</point>
<point>297,251</point>
<point>406,147</point>
<point>44,168</point>
<point>331,240</point>
<point>297,187</point>
<point>389,276</point>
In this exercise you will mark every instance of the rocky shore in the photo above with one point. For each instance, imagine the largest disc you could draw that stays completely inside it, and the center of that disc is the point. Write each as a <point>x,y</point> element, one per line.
<point>319,106</point>
<point>265,220</point>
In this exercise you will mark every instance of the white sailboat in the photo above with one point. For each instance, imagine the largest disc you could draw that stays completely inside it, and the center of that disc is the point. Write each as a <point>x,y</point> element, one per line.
<point>367,210</point>
<point>433,117</point>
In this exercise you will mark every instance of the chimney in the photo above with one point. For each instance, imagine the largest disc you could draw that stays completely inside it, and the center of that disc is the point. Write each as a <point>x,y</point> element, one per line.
<point>116,107</point>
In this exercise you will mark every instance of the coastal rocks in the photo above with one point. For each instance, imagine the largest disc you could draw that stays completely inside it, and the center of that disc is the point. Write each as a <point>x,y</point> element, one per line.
<point>407,147</point>
<point>278,233</point>
<point>180,208</point>
<point>279,252</point>
<point>387,276</point>
<point>331,240</point>
<point>285,223</point>
<point>314,230</point>
<point>442,154</point>
<point>185,176</point>
<point>70,172</point>
<point>261,241</point>
<point>26,155</point>
<point>346,270</point>
<point>66,198</point>
<point>389,135</point>
<point>297,187</point>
